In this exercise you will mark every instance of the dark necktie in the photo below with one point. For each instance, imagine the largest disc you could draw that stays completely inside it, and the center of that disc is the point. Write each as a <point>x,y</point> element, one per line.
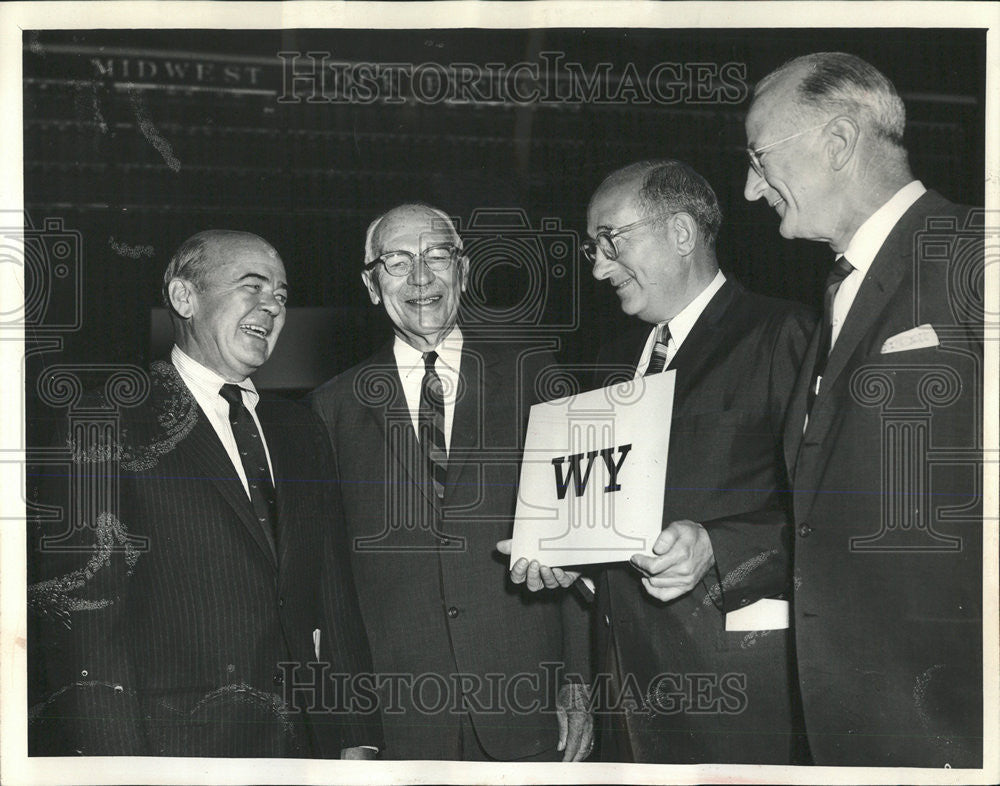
<point>254,459</point>
<point>432,424</point>
<point>658,359</point>
<point>841,270</point>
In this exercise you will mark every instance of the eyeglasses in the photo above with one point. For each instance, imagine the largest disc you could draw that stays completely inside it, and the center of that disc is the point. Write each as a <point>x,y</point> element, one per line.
<point>606,238</point>
<point>754,153</point>
<point>400,263</point>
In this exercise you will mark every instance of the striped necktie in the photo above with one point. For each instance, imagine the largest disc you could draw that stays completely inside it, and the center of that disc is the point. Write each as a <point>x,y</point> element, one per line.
<point>658,359</point>
<point>254,460</point>
<point>431,420</point>
<point>841,270</point>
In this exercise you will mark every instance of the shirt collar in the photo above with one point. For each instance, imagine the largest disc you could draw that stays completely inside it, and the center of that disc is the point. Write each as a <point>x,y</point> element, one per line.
<point>410,360</point>
<point>870,236</point>
<point>681,323</point>
<point>197,375</point>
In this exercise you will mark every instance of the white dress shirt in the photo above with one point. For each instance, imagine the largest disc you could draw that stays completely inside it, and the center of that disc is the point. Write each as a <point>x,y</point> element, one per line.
<point>205,385</point>
<point>864,247</point>
<point>410,365</point>
<point>680,325</point>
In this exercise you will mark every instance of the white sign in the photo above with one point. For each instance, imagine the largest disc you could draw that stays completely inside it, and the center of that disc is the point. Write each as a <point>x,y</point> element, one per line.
<point>593,474</point>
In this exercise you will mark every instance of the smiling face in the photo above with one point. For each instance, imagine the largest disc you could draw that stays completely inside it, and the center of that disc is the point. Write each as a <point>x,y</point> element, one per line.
<point>650,278</point>
<point>795,180</point>
<point>232,320</point>
<point>422,305</point>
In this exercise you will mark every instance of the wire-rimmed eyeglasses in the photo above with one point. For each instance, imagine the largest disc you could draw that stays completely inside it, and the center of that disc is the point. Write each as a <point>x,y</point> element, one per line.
<point>605,239</point>
<point>753,153</point>
<point>400,263</point>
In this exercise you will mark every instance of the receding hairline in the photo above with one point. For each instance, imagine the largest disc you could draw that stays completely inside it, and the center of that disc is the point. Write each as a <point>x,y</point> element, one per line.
<point>438,220</point>
<point>199,255</point>
<point>220,238</point>
<point>630,178</point>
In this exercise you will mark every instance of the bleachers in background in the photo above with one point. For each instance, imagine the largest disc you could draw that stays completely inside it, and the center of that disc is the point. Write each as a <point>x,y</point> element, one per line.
<point>135,165</point>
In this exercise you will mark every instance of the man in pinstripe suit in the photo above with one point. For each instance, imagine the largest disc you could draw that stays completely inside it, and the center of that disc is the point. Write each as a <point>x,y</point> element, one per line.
<point>182,618</point>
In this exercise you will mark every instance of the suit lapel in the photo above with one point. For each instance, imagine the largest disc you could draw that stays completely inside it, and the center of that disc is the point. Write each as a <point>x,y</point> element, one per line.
<point>287,468</point>
<point>691,352</point>
<point>892,263</point>
<point>478,372</point>
<point>203,451</point>
<point>388,409</point>
<point>796,416</point>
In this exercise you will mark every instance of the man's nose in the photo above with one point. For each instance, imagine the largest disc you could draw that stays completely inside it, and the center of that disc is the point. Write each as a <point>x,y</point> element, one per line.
<point>270,303</point>
<point>755,185</point>
<point>420,274</point>
<point>602,266</point>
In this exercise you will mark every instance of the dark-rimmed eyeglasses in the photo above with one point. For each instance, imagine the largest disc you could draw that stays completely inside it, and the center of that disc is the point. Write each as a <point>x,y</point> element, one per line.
<point>400,263</point>
<point>753,153</point>
<point>605,239</point>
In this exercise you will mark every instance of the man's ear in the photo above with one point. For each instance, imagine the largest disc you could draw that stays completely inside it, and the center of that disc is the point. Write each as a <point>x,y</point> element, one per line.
<point>182,297</point>
<point>844,133</point>
<point>463,272</point>
<point>372,285</point>
<point>685,232</point>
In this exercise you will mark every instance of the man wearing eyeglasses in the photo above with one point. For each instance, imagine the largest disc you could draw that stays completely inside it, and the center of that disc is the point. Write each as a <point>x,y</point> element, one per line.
<point>700,627</point>
<point>883,440</point>
<point>427,435</point>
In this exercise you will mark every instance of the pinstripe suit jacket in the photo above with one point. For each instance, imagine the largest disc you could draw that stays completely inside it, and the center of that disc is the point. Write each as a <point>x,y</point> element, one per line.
<point>170,640</point>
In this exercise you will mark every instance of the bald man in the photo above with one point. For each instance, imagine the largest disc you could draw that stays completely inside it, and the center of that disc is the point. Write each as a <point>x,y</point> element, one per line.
<point>184,613</point>
<point>427,436</point>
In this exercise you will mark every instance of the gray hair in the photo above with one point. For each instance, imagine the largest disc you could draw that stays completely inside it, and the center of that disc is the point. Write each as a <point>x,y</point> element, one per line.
<point>671,186</point>
<point>445,223</point>
<point>839,83</point>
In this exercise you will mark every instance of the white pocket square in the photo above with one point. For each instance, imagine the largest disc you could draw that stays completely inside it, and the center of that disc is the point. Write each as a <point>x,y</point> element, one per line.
<point>915,338</point>
<point>316,637</point>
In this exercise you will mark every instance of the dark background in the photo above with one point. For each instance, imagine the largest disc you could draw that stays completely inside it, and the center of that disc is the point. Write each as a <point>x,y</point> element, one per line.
<point>124,168</point>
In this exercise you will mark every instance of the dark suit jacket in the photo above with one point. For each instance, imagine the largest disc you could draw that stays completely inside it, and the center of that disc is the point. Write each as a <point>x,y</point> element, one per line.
<point>434,591</point>
<point>887,479</point>
<point>709,695</point>
<point>180,611</point>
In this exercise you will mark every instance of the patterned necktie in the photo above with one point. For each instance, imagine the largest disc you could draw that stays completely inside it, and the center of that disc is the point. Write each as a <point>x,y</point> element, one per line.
<point>658,359</point>
<point>432,424</point>
<point>254,459</point>
<point>841,270</point>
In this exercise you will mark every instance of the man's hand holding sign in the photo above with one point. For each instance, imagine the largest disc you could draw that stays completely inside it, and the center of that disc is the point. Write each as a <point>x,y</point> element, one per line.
<point>682,556</point>
<point>592,481</point>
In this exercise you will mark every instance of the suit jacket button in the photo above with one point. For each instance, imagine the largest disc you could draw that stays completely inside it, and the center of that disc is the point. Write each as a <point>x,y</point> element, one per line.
<point>281,603</point>
<point>805,530</point>
<point>278,678</point>
<point>607,621</point>
<point>452,612</point>
<point>744,601</point>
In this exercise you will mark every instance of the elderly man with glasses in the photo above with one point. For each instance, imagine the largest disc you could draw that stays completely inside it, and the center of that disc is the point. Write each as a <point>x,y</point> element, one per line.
<point>695,638</point>
<point>884,436</point>
<point>427,436</point>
